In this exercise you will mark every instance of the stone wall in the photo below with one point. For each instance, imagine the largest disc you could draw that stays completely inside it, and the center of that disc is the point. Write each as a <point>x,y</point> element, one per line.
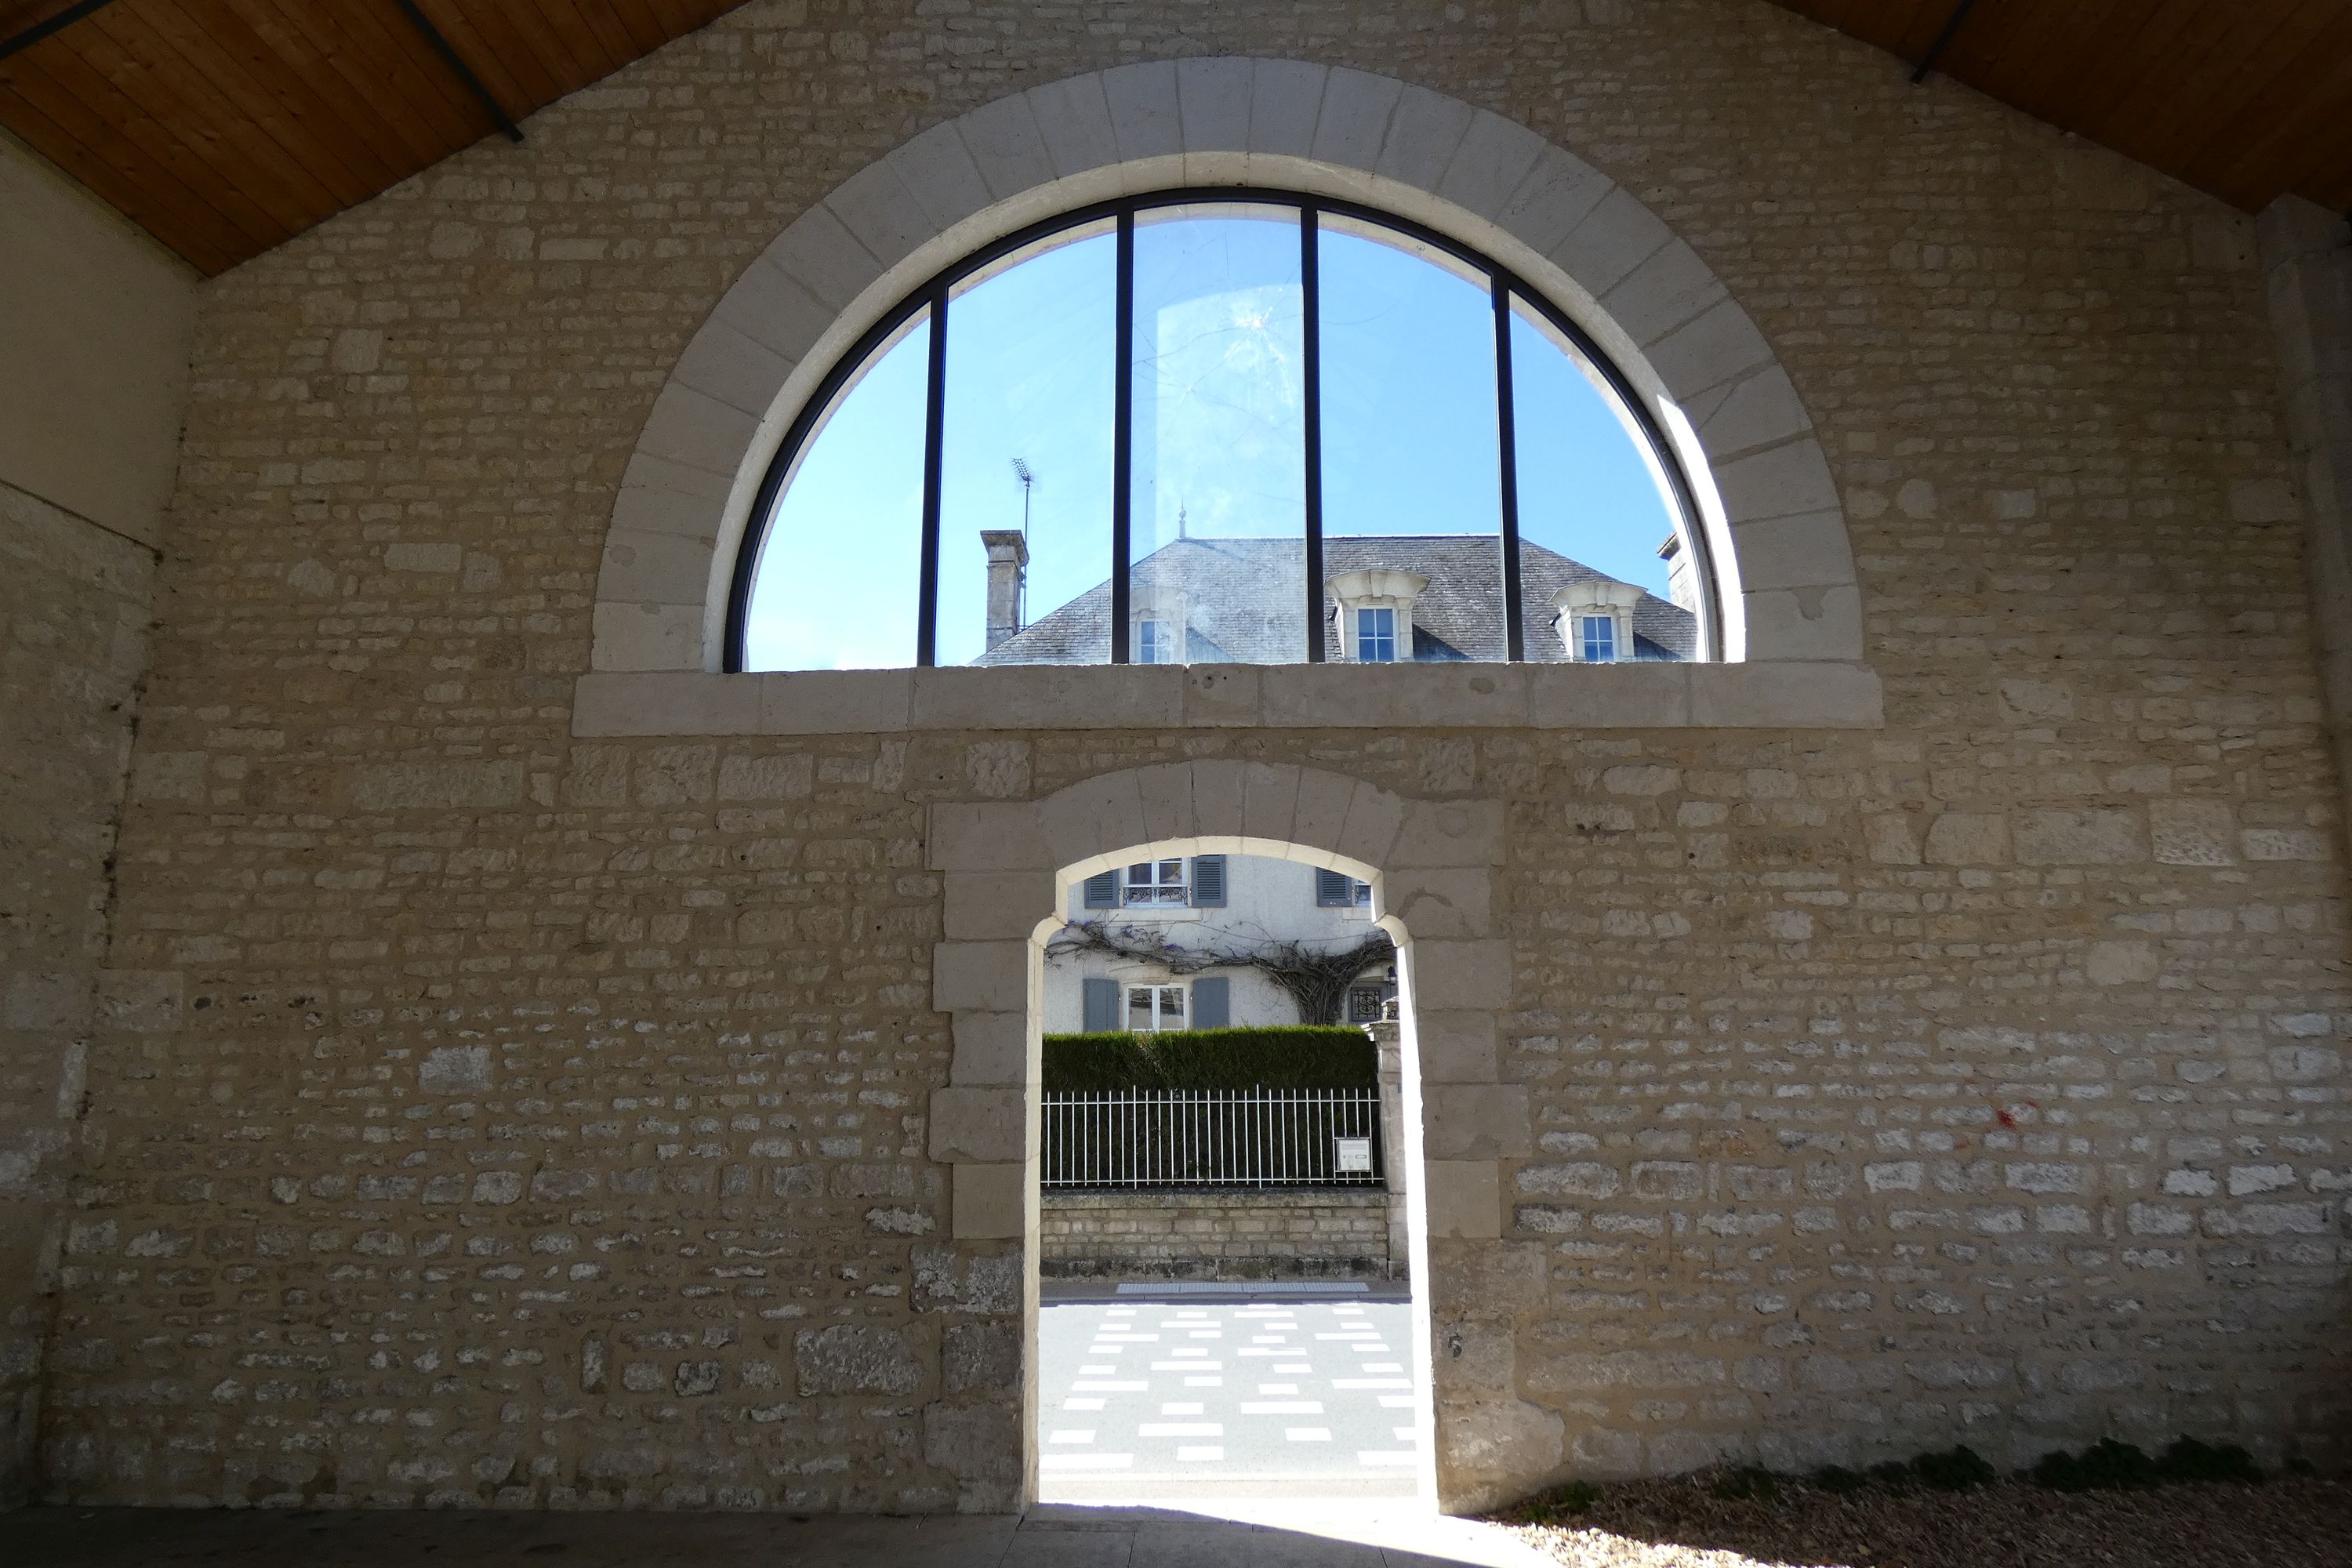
<point>1312,1234</point>
<point>73,637</point>
<point>516,1120</point>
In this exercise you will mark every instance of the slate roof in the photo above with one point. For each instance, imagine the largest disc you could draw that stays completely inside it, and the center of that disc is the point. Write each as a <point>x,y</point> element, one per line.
<point>1242,597</point>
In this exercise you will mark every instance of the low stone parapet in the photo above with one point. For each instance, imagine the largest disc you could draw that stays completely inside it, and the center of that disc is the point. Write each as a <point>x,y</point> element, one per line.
<point>1292,1233</point>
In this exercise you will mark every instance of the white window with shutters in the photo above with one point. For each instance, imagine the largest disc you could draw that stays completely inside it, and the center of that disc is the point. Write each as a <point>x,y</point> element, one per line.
<point>1338,890</point>
<point>1168,883</point>
<point>1151,1008</point>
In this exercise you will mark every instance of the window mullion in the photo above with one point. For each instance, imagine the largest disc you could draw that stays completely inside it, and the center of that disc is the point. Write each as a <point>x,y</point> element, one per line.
<point>1514,631</point>
<point>1311,359</point>
<point>934,398</point>
<point>1122,439</point>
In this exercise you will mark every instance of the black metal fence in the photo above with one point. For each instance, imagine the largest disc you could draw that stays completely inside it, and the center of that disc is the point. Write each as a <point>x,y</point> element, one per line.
<point>1213,1138</point>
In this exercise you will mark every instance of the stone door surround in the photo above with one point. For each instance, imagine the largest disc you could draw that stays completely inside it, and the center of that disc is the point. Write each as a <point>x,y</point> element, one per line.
<point>1008,868</point>
<point>1772,511</point>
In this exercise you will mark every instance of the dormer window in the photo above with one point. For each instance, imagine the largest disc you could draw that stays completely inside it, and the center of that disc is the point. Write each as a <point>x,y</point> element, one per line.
<point>1155,643</point>
<point>1596,620</point>
<point>1596,638</point>
<point>1373,614</point>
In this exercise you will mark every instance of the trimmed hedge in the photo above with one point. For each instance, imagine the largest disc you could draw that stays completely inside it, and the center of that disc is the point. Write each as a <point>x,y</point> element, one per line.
<point>1297,1056</point>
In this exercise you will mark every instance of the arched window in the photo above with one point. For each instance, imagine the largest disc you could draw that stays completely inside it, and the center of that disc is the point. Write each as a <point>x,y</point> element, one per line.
<point>1221,426</point>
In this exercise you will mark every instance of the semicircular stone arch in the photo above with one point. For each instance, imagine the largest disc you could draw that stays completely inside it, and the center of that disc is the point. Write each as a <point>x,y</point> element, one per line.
<point>1004,867</point>
<point>1769,506</point>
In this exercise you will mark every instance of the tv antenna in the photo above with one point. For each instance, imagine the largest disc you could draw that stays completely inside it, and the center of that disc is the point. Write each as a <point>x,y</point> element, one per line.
<point>1022,472</point>
<point>1028,482</point>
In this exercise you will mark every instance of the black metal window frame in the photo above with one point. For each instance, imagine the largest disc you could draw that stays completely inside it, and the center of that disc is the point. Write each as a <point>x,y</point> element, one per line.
<point>932,300</point>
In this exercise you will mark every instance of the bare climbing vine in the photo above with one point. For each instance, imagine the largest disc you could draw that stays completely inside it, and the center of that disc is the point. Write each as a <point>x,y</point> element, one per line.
<point>1315,974</point>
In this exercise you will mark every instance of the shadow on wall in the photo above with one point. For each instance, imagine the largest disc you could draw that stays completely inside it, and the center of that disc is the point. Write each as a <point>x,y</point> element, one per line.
<point>1079,1537</point>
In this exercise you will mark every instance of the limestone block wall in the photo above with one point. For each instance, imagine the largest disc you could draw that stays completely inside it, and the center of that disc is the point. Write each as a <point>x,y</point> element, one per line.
<point>73,639</point>
<point>95,322</point>
<point>535,1120</point>
<point>1310,1234</point>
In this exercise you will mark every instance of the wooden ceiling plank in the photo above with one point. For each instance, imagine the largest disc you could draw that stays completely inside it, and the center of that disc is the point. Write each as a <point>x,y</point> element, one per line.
<point>2236,70</point>
<point>195,216</point>
<point>201,109</point>
<point>2296,77</point>
<point>647,32</point>
<point>529,36</point>
<point>65,86</point>
<point>487,39</point>
<point>603,21</point>
<point>2314,128</point>
<point>178,220</point>
<point>2164,69</point>
<point>1916,31</point>
<point>28,14</point>
<point>680,17</point>
<point>570,47</point>
<point>278,98</point>
<point>373,97</point>
<point>388,36</point>
<point>2028,61</point>
<point>2108,68</point>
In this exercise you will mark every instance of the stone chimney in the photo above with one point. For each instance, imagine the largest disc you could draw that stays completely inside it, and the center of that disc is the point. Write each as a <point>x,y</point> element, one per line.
<point>1008,560</point>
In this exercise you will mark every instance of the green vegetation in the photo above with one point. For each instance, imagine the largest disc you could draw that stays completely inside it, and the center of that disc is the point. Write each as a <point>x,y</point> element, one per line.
<point>1297,1056</point>
<point>1839,1481</point>
<point>2111,1466</point>
<point>1745,1481</point>
<point>1957,1469</point>
<point>2191,1460</point>
<point>1560,1504</point>
<point>2106,1466</point>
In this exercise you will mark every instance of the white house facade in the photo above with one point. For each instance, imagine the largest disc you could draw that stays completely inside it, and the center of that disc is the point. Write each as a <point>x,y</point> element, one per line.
<point>1207,902</point>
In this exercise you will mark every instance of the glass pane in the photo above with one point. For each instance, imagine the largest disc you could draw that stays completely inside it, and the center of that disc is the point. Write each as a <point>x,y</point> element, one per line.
<point>1171,1007</point>
<point>1593,505</point>
<point>1218,515</point>
<point>1411,449</point>
<point>834,586</point>
<point>1139,1007</point>
<point>1025,465</point>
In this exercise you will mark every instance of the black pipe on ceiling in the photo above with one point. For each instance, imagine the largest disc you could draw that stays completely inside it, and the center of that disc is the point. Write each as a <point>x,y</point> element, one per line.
<point>57,24</point>
<point>1934,50</point>
<point>459,68</point>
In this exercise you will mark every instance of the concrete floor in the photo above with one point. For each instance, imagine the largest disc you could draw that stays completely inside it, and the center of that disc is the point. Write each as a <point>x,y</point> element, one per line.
<point>1145,1401</point>
<point>1049,1537</point>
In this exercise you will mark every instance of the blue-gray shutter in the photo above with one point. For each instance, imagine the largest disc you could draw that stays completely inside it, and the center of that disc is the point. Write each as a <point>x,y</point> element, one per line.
<point>1213,1003</point>
<point>1335,890</point>
<point>1102,893</point>
<point>1208,881</point>
<point>1102,1006</point>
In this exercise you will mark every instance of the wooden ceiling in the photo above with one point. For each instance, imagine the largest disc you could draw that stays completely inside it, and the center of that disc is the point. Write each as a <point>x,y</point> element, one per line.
<point>226,126</point>
<point>2245,99</point>
<point>223,127</point>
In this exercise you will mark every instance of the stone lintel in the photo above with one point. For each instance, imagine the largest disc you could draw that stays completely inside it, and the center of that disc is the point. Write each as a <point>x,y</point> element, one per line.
<point>1788,694</point>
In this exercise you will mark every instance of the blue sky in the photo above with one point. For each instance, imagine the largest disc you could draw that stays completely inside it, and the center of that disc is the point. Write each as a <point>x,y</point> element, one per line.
<point>1410,439</point>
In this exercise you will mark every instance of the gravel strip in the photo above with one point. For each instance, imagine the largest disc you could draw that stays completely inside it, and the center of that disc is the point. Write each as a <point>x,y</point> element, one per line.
<point>2287,1523</point>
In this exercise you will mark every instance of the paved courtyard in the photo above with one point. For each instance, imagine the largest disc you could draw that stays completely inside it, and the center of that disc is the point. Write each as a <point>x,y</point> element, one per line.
<point>1152,1399</point>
